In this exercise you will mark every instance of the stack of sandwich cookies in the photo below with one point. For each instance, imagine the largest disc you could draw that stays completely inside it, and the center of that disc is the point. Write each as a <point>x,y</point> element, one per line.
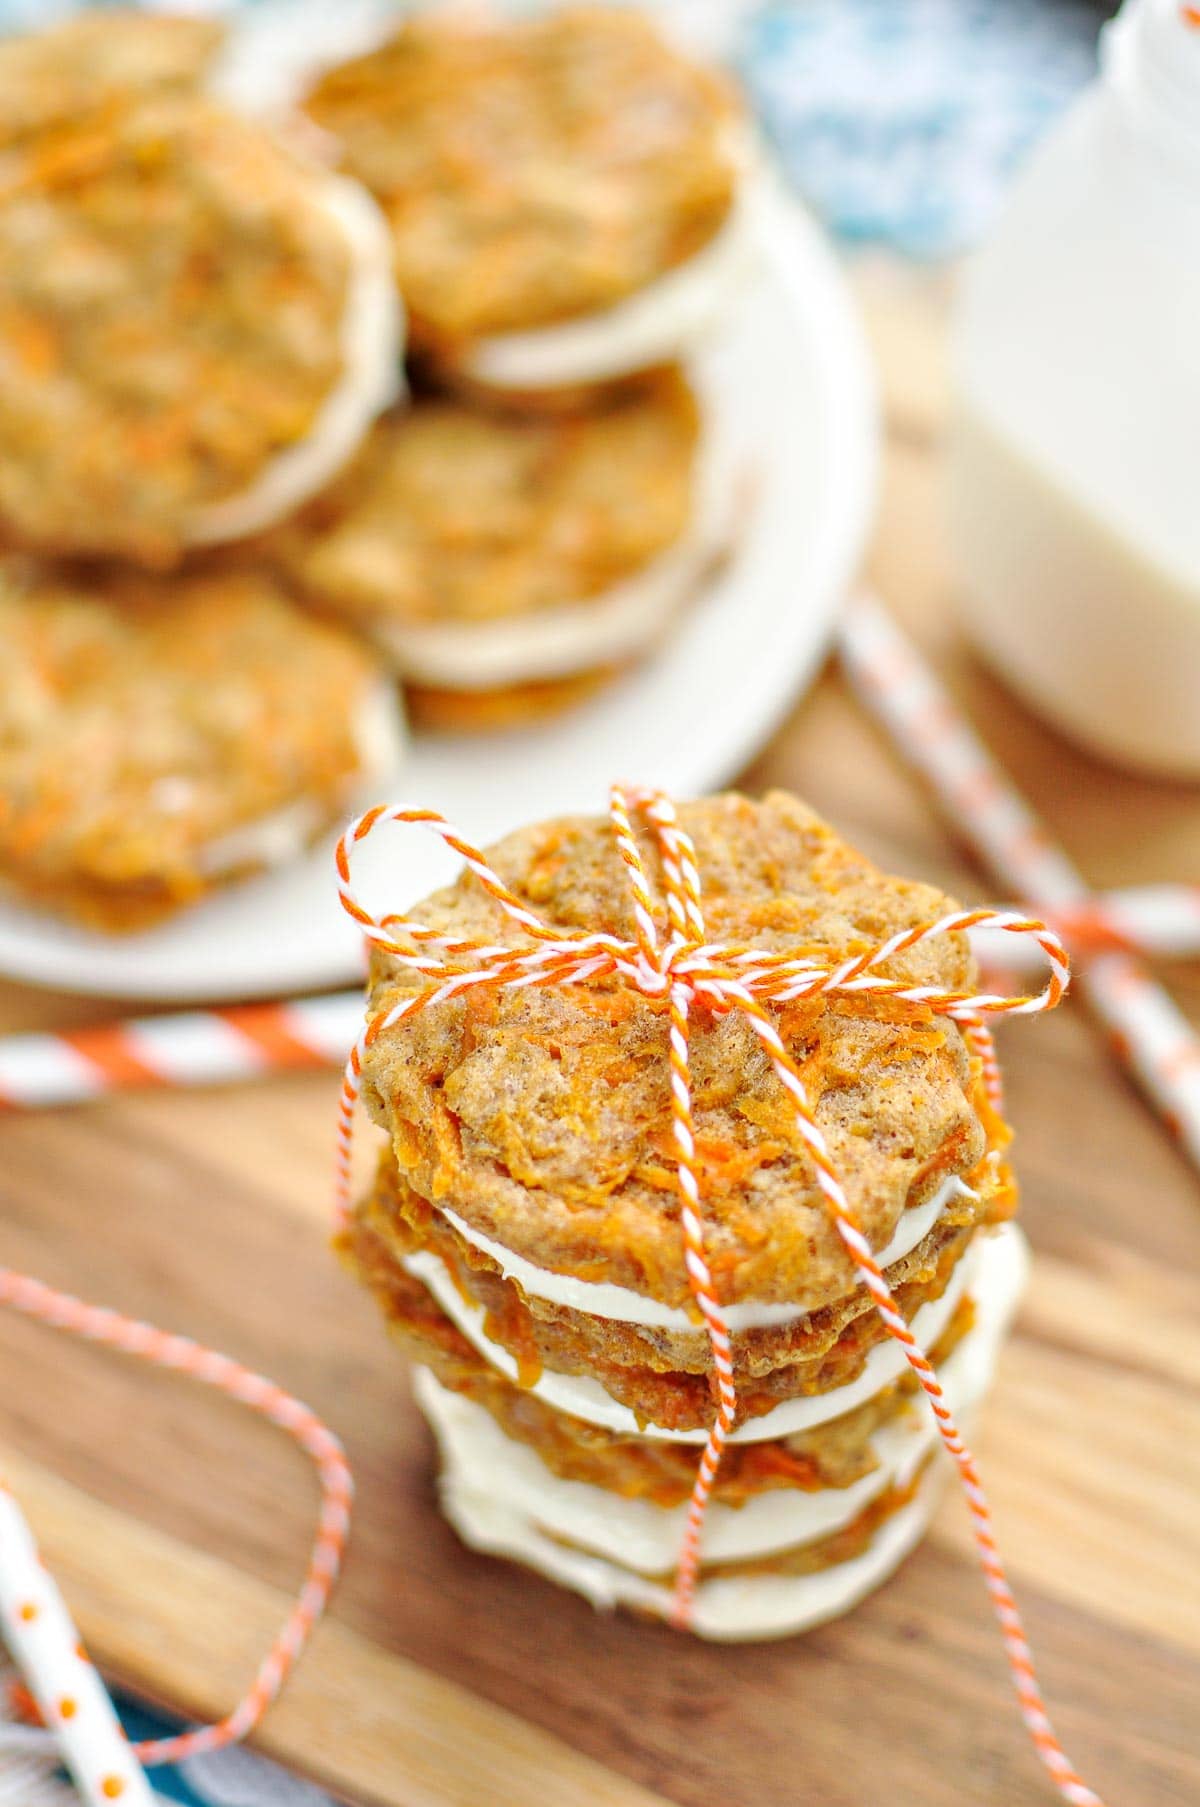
<point>523,1235</point>
<point>198,326</point>
<point>565,201</point>
<point>202,336</point>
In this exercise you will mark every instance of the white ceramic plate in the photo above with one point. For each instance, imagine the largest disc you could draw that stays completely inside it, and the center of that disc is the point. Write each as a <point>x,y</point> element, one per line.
<point>794,375</point>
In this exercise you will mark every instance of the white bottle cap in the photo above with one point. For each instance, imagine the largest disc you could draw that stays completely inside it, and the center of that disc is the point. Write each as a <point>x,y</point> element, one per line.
<point>1150,54</point>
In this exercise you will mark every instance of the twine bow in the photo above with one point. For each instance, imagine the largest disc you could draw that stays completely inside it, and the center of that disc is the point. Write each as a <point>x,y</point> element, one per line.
<point>683,969</point>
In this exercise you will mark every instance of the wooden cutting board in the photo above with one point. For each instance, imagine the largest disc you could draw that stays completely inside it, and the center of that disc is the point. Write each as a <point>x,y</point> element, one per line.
<point>178,1525</point>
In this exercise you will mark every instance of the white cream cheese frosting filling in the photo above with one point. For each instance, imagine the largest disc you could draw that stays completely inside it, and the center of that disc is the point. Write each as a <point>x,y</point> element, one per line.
<point>637,1534</point>
<point>580,1396</point>
<point>372,344</point>
<point>739,1606</point>
<point>659,324</point>
<point>283,834</point>
<point>600,1299</point>
<point>611,627</point>
<point>731,1608</point>
<point>270,840</point>
<point>607,629</point>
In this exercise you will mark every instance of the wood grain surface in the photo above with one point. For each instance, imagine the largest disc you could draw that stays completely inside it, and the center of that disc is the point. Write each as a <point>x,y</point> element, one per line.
<point>178,1524</point>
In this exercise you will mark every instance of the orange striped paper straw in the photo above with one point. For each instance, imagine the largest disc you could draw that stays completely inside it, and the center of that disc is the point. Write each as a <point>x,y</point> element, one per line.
<point>182,1048</point>
<point>1146,1030</point>
<point>249,1041</point>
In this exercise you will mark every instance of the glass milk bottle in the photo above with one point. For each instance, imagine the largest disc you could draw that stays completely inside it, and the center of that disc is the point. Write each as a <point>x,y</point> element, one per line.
<point>1074,460</point>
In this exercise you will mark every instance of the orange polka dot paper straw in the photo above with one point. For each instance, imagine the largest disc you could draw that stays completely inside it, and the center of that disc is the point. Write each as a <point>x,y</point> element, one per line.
<point>1146,1030</point>
<point>36,1625</point>
<point>689,976</point>
<point>70,1696</point>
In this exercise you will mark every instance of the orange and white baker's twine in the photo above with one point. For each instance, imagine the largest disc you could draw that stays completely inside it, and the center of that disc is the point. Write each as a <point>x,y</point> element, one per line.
<point>69,1694</point>
<point>684,969</point>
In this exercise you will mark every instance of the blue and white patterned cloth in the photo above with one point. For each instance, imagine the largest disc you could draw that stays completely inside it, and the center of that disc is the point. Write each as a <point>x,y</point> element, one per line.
<point>30,1776</point>
<point>900,121</point>
<point>230,1778</point>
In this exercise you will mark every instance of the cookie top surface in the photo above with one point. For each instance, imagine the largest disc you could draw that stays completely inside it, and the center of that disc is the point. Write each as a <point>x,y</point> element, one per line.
<point>542,1116</point>
<point>49,77</point>
<point>536,170</point>
<point>141,719</point>
<point>172,283</point>
<point>450,514</point>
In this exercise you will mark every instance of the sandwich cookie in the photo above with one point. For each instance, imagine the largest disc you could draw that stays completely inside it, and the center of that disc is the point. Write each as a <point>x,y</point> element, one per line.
<point>504,563</point>
<point>94,58</point>
<point>162,736</point>
<point>565,193</point>
<point>197,327</point>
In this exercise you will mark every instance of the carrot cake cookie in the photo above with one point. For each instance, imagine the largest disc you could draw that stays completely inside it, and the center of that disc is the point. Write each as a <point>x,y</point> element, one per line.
<point>197,327</point>
<point>564,192</point>
<point>159,736</point>
<point>95,57</point>
<point>523,1232</point>
<point>502,562</point>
